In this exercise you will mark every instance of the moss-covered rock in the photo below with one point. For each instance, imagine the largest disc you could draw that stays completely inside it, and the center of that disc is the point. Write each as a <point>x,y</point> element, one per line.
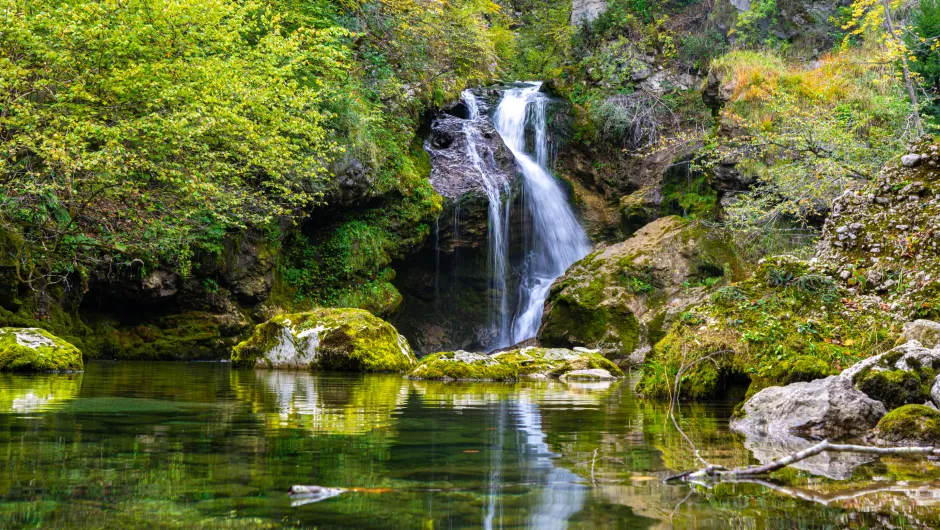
<point>901,376</point>
<point>350,340</point>
<point>511,365</point>
<point>911,424</point>
<point>36,350</point>
<point>789,322</point>
<point>620,298</point>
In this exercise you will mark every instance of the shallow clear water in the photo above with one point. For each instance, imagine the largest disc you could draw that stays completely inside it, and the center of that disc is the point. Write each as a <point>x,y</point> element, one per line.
<point>189,445</point>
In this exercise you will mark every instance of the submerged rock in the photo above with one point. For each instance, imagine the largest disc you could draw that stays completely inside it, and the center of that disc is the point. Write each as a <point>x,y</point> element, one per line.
<point>829,407</point>
<point>349,340</point>
<point>591,374</point>
<point>767,447</point>
<point>513,365</point>
<point>36,350</point>
<point>622,297</point>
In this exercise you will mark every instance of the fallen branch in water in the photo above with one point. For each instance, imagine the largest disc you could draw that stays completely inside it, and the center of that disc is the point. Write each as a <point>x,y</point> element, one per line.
<point>722,473</point>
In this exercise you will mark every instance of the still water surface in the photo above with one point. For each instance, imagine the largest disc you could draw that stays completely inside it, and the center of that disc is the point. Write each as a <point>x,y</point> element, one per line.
<point>174,445</point>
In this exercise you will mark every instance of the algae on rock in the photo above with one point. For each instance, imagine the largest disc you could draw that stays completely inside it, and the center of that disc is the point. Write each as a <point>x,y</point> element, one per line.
<point>510,365</point>
<point>349,340</point>
<point>36,350</point>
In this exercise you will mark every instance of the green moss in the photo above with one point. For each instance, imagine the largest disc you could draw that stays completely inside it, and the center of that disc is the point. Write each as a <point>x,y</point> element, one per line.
<point>348,340</point>
<point>36,350</point>
<point>894,388</point>
<point>911,423</point>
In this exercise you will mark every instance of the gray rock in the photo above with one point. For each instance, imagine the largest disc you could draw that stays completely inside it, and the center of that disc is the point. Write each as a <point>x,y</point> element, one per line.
<point>829,407</point>
<point>910,160</point>
<point>585,11</point>
<point>912,354</point>
<point>926,332</point>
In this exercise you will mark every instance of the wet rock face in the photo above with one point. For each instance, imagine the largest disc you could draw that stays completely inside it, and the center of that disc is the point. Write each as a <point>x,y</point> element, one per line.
<point>621,298</point>
<point>453,172</point>
<point>829,407</point>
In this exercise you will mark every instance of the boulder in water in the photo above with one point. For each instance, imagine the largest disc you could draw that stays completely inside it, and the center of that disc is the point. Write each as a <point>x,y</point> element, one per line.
<point>512,365</point>
<point>623,297</point>
<point>910,425</point>
<point>348,340</point>
<point>829,407</point>
<point>901,376</point>
<point>36,350</point>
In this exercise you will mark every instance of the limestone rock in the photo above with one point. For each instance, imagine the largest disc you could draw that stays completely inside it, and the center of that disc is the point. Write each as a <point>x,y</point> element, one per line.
<point>911,356</point>
<point>829,407</point>
<point>585,11</point>
<point>935,391</point>
<point>348,340</point>
<point>36,350</point>
<point>926,332</point>
<point>910,160</point>
<point>623,297</point>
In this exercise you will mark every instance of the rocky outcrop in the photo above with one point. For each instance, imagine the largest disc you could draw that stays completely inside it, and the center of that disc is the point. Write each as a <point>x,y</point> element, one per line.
<point>620,298</point>
<point>36,350</point>
<point>829,407</point>
<point>513,365</point>
<point>348,340</point>
<point>883,240</point>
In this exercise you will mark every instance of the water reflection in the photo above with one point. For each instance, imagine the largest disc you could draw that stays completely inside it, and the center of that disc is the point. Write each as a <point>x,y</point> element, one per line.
<point>27,393</point>
<point>320,403</point>
<point>201,445</point>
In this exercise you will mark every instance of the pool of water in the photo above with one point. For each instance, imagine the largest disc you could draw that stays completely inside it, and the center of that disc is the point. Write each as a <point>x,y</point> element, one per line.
<point>187,445</point>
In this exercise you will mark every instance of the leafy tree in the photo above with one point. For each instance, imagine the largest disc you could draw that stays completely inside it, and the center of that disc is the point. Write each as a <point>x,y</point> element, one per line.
<point>145,129</point>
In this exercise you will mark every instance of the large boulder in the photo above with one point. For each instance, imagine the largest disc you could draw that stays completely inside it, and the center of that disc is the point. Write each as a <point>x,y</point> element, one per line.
<point>901,376</point>
<point>620,298</point>
<point>829,407</point>
<point>36,350</point>
<point>349,340</point>
<point>513,365</point>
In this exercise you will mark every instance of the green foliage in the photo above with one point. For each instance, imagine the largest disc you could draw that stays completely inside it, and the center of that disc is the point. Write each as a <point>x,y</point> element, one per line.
<point>924,44</point>
<point>150,130</point>
<point>806,135</point>
<point>124,134</point>
<point>751,25</point>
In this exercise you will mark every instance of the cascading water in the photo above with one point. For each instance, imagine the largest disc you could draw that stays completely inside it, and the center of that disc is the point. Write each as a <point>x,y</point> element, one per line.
<point>556,238</point>
<point>497,227</point>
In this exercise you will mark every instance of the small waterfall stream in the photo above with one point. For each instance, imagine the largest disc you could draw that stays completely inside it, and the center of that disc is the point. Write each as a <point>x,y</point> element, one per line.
<point>555,238</point>
<point>497,226</point>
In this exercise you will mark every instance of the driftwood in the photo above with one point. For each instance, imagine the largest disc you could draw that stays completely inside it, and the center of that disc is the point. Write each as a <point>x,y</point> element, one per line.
<point>722,473</point>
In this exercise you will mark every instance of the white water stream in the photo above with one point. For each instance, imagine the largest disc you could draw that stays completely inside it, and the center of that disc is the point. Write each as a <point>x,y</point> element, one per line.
<point>555,238</point>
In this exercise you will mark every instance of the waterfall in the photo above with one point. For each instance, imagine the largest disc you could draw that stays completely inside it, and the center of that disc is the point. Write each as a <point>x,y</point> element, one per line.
<point>556,238</point>
<point>497,228</point>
